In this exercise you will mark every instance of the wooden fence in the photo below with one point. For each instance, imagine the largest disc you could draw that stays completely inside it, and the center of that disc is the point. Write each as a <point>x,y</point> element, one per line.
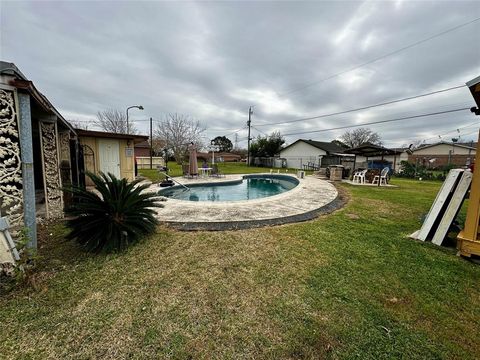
<point>143,162</point>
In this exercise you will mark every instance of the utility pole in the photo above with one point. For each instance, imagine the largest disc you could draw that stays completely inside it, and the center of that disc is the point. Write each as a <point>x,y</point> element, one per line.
<point>151,145</point>
<point>249,123</point>
<point>236,141</point>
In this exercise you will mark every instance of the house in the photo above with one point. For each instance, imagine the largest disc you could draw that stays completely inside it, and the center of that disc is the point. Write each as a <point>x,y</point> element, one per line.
<point>219,157</point>
<point>321,154</point>
<point>108,153</point>
<point>142,149</point>
<point>38,153</point>
<point>443,153</point>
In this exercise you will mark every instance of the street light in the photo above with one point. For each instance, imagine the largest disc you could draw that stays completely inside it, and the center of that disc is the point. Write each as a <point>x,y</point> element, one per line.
<point>139,107</point>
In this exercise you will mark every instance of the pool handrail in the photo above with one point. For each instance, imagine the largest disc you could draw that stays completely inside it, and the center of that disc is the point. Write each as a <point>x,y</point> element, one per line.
<point>171,178</point>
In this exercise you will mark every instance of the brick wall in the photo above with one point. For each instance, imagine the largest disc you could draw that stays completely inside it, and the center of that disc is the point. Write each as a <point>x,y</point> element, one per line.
<point>142,151</point>
<point>441,160</point>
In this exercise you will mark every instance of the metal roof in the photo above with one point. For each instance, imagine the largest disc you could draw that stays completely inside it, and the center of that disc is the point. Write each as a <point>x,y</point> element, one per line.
<point>473,81</point>
<point>369,149</point>
<point>11,69</point>
<point>103,134</point>
<point>21,82</point>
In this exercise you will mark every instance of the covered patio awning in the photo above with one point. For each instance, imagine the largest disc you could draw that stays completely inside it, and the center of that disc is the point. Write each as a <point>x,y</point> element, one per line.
<point>369,150</point>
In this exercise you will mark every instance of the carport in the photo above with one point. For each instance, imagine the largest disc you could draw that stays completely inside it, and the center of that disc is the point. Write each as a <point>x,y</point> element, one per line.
<point>371,150</point>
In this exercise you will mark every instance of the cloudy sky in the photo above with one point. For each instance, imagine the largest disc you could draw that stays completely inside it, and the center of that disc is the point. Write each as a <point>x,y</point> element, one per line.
<point>212,60</point>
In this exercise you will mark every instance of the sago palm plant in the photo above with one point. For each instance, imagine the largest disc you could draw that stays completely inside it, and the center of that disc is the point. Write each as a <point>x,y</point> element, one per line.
<point>118,214</point>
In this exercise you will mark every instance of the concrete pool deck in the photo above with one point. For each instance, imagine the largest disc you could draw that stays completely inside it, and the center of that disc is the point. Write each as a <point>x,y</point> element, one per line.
<point>309,199</point>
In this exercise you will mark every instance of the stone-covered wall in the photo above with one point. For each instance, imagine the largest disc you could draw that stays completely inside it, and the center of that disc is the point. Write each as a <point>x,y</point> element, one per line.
<point>51,170</point>
<point>11,195</point>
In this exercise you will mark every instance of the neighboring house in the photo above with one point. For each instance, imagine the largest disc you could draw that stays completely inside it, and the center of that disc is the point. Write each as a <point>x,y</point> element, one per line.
<point>443,153</point>
<point>227,157</point>
<point>219,157</point>
<point>37,155</point>
<point>142,149</point>
<point>302,152</point>
<point>109,153</point>
<point>142,155</point>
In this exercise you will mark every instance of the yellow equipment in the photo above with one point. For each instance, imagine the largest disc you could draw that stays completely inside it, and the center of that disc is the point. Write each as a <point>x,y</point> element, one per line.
<point>468,240</point>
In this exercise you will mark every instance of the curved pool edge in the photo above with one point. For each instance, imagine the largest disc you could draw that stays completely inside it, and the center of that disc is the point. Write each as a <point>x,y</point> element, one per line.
<point>329,208</point>
<point>237,180</point>
<point>311,198</point>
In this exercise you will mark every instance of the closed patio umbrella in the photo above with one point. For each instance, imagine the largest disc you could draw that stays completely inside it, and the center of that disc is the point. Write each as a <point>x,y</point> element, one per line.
<point>192,163</point>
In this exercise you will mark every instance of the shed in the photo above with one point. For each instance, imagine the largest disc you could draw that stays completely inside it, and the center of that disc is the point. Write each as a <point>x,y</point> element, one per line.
<point>109,153</point>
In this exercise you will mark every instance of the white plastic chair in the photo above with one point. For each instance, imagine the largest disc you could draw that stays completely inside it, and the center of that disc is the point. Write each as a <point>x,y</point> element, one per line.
<point>382,177</point>
<point>359,176</point>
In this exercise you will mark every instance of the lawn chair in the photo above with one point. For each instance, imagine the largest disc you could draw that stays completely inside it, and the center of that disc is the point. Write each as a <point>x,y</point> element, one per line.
<point>185,171</point>
<point>359,176</point>
<point>383,177</point>
<point>216,172</point>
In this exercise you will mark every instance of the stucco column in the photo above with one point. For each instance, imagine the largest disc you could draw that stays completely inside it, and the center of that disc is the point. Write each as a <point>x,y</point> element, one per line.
<point>26,150</point>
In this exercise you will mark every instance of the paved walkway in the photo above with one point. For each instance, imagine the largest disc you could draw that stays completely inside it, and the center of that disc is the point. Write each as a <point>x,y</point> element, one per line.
<point>309,195</point>
<point>367,184</point>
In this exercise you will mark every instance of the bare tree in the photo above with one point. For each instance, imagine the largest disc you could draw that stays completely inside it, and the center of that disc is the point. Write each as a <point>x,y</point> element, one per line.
<point>115,121</point>
<point>178,131</point>
<point>158,145</point>
<point>357,137</point>
<point>414,144</point>
<point>77,124</point>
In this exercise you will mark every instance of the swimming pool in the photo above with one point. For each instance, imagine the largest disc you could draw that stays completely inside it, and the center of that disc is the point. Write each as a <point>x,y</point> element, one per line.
<point>249,188</point>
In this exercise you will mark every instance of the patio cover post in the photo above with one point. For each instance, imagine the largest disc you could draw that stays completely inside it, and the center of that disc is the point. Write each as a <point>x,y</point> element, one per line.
<point>26,151</point>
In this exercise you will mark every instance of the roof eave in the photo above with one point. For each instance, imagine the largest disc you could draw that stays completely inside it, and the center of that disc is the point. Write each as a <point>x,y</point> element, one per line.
<point>41,99</point>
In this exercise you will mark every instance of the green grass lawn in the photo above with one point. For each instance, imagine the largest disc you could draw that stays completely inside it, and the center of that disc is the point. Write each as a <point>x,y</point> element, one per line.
<point>347,285</point>
<point>226,168</point>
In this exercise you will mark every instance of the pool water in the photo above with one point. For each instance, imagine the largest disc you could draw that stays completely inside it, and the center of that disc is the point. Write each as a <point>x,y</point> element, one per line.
<point>251,187</point>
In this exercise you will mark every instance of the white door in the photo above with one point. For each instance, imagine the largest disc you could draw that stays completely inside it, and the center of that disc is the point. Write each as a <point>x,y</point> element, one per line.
<point>109,156</point>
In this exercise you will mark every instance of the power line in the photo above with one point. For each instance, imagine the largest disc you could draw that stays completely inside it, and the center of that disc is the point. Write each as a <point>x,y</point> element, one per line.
<point>260,131</point>
<point>382,57</point>
<point>233,132</point>
<point>476,124</point>
<point>378,122</point>
<point>366,107</point>
<point>158,120</point>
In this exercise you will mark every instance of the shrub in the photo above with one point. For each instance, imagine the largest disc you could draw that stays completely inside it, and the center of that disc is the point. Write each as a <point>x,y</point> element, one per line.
<point>113,219</point>
<point>447,168</point>
<point>409,170</point>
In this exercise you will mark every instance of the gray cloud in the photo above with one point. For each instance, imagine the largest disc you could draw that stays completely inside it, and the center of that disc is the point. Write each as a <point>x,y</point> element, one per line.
<point>212,60</point>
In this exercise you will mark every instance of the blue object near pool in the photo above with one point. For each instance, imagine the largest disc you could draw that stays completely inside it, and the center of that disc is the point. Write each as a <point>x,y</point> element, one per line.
<point>249,188</point>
